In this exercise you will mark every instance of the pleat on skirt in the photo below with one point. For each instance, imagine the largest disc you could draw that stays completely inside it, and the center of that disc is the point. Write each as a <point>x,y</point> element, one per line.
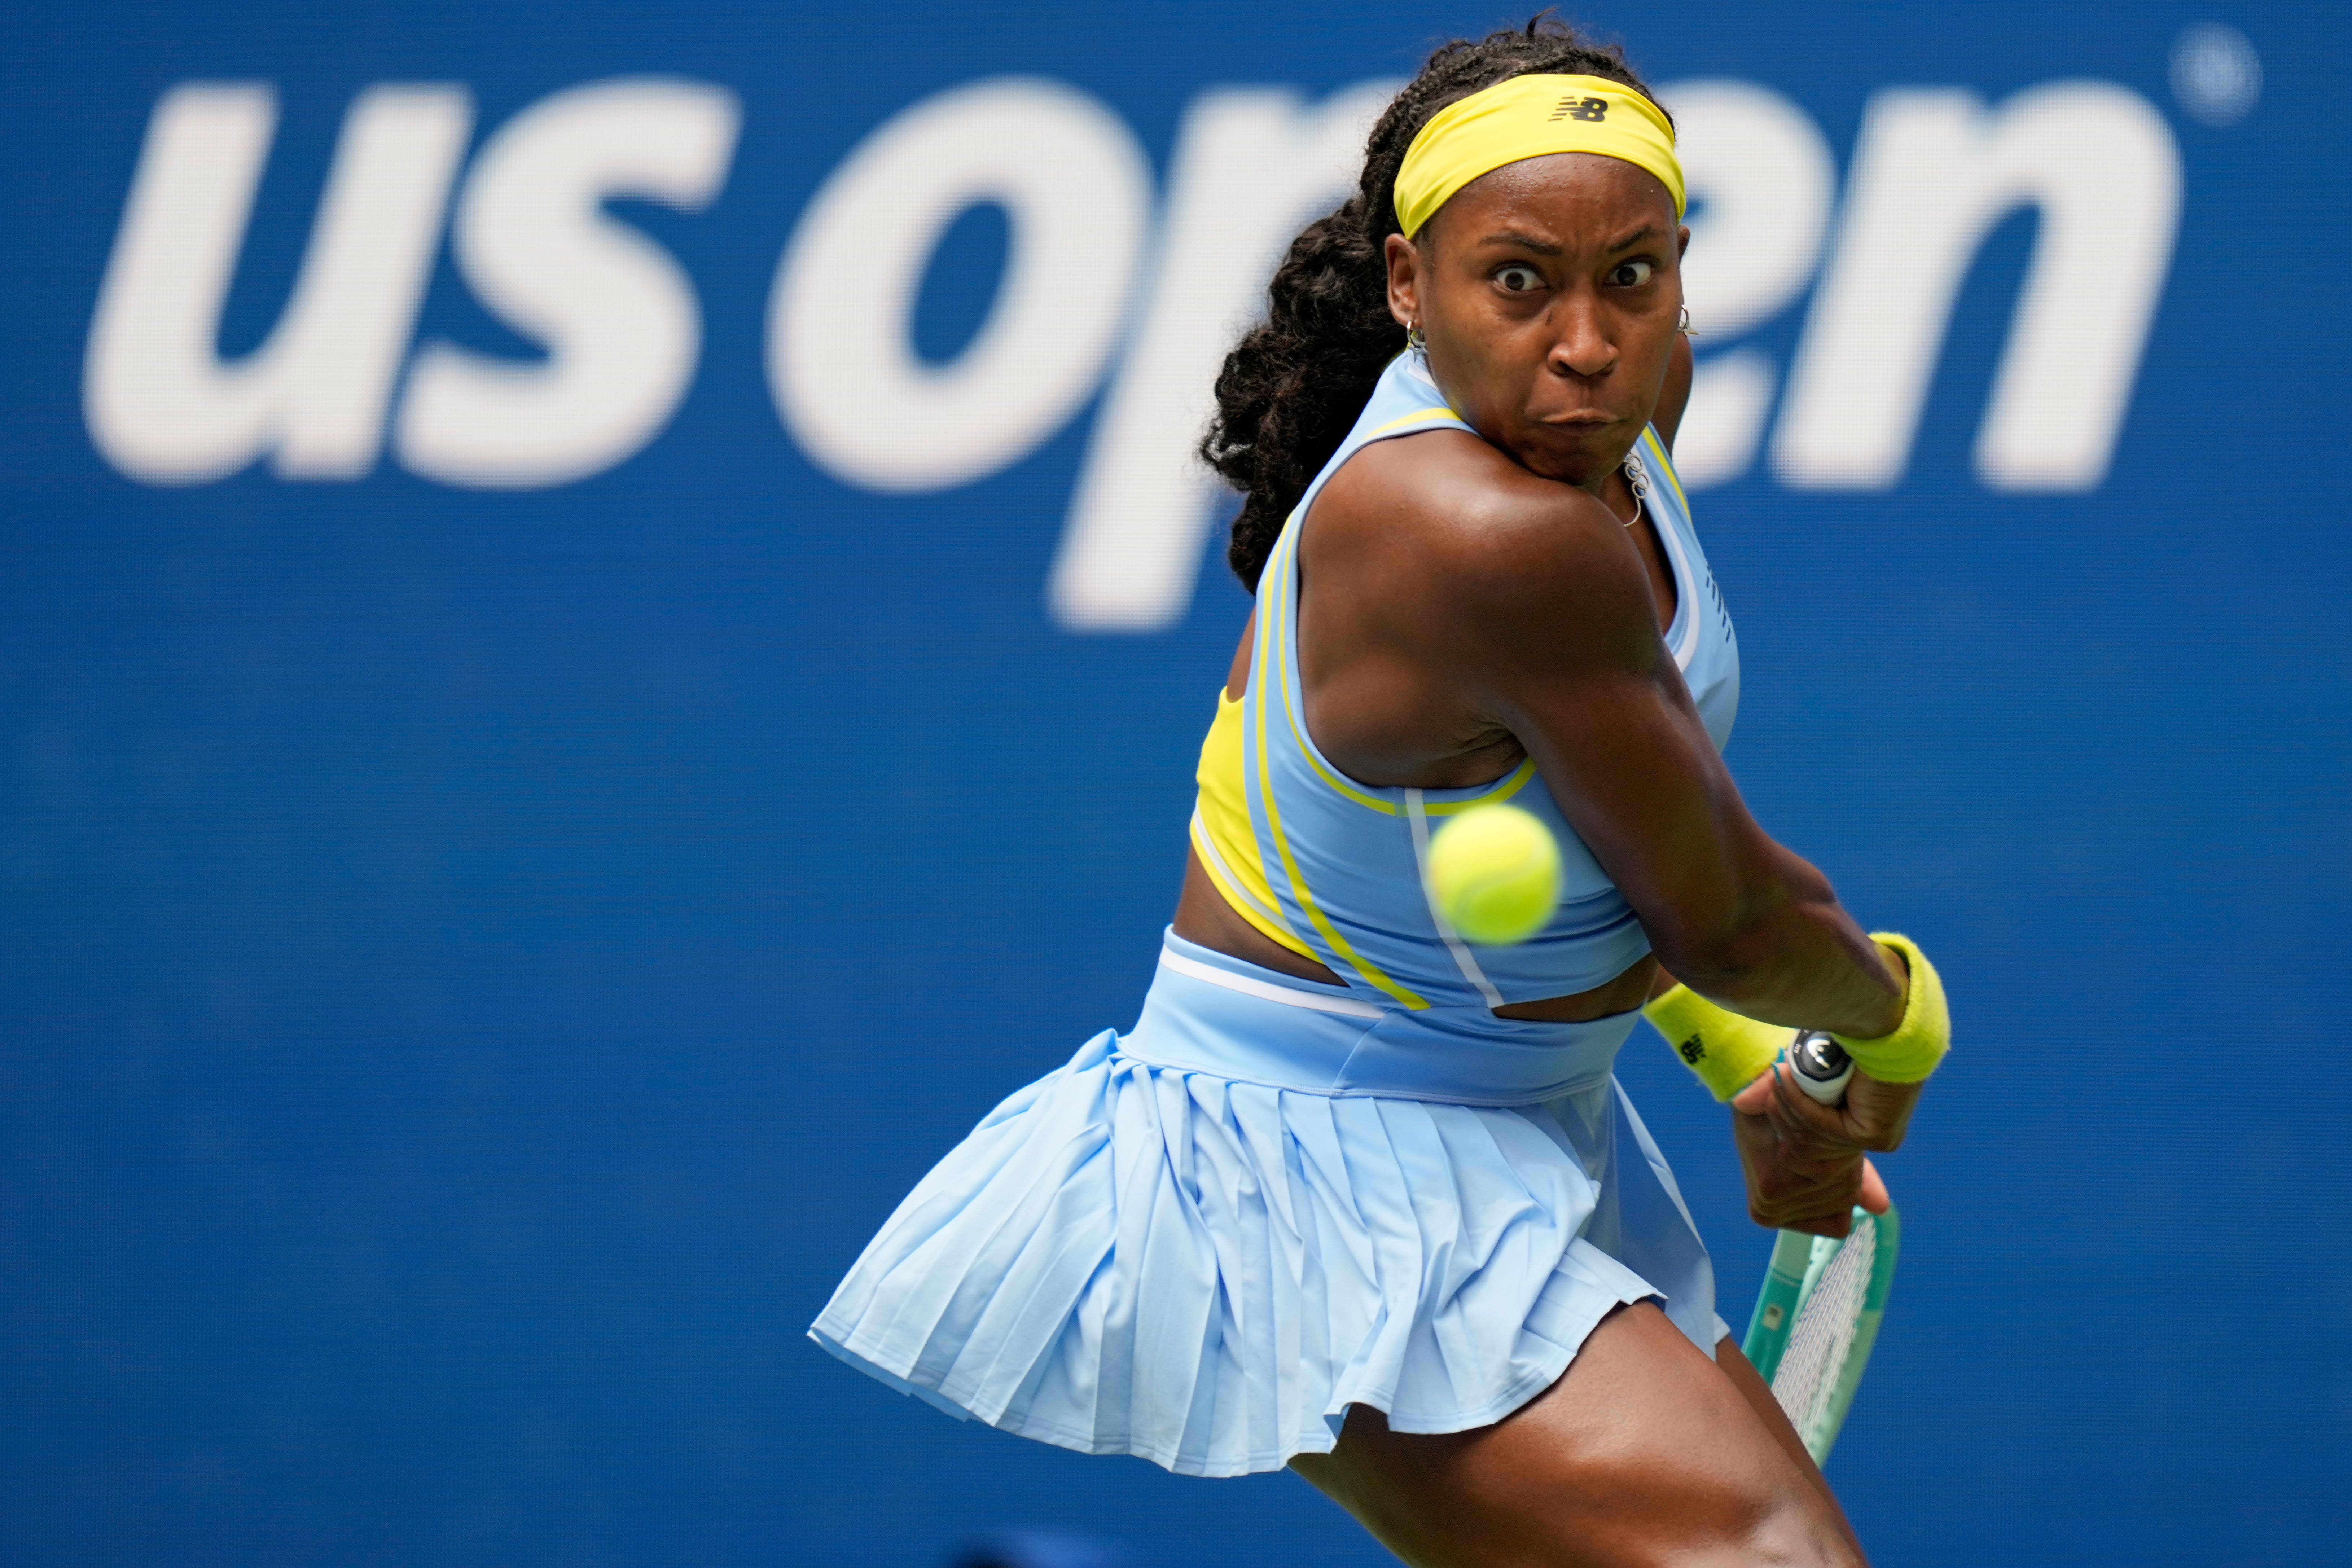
<point>1135,1254</point>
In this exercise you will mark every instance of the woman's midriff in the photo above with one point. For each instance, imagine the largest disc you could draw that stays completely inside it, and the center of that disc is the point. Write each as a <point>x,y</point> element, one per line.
<point>1204,916</point>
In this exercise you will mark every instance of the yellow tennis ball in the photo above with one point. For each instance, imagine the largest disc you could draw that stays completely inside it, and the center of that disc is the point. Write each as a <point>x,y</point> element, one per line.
<point>1495,873</point>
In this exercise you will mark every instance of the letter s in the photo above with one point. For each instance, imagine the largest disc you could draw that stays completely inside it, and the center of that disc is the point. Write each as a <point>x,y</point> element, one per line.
<point>619,318</point>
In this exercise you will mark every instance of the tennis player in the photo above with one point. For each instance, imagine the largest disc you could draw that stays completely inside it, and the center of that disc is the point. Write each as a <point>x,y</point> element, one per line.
<point>1354,1195</point>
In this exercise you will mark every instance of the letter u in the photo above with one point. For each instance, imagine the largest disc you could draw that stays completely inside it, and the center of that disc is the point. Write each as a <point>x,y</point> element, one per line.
<point>160,404</point>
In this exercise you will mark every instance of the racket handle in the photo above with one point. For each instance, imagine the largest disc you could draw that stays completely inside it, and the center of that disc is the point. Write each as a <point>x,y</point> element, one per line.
<point>1820,1067</point>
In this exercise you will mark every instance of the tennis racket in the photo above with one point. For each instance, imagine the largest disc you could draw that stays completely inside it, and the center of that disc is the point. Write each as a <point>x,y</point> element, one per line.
<point>1817,1316</point>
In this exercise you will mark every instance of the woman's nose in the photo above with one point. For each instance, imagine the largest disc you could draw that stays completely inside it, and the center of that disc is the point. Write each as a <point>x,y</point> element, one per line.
<point>1582,347</point>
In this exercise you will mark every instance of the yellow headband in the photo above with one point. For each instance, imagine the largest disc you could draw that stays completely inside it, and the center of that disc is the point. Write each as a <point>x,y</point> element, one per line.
<point>1532,117</point>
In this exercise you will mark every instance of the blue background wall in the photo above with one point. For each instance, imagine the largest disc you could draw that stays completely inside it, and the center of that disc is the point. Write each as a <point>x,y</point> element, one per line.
<point>475,964</point>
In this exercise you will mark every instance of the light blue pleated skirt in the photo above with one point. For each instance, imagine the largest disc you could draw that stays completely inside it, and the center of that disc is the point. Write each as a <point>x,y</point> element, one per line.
<point>1201,1242</point>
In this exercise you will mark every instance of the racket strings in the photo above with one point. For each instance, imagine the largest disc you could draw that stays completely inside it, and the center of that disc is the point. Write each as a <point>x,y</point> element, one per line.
<point>1823,1337</point>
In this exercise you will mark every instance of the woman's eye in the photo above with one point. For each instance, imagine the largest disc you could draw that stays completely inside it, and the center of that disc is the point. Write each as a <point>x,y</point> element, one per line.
<point>1633,274</point>
<point>1519,279</point>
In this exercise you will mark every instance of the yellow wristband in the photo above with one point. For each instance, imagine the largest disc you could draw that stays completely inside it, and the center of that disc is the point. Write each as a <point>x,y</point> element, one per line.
<point>1727,1051</point>
<point>1919,1042</point>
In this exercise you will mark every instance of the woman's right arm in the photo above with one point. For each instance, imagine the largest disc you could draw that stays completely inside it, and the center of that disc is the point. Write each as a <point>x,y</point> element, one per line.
<point>1535,605</point>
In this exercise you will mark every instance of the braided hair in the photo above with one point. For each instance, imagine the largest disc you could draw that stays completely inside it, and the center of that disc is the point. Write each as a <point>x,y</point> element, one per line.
<point>1294,385</point>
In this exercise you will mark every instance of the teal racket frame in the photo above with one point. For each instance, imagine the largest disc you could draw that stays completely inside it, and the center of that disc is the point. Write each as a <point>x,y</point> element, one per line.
<point>1798,1264</point>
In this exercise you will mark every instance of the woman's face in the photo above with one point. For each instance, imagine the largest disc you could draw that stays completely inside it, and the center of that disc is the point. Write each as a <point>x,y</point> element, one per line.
<point>1549,291</point>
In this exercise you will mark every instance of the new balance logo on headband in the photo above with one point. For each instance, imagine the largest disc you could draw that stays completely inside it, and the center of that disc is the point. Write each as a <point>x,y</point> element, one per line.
<point>1594,109</point>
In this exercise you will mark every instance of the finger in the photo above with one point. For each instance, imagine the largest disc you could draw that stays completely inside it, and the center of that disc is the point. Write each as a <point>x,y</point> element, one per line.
<point>1881,1110</point>
<point>1806,1124</point>
<point>1836,1123</point>
<point>1757,1097</point>
<point>1873,1190</point>
<point>1800,1122</point>
<point>1827,1190</point>
<point>1805,1160</point>
<point>1827,1208</point>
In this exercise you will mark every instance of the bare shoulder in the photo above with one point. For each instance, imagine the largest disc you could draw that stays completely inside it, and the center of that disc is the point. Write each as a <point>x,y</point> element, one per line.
<point>1451,547</point>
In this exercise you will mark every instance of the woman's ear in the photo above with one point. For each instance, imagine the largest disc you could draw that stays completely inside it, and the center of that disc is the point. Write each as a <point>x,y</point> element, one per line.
<point>1682,242</point>
<point>1404,281</point>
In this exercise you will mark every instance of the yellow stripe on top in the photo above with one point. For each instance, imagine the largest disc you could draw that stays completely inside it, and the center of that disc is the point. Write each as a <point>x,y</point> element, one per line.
<point>1275,615</point>
<point>1222,837</point>
<point>1509,784</point>
<point>1326,774</point>
<point>1505,788</point>
<point>1441,412</point>
<point>1666,463</point>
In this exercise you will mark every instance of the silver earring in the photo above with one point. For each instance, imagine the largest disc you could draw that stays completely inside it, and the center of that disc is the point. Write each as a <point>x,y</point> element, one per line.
<point>1683,326</point>
<point>1414,340</point>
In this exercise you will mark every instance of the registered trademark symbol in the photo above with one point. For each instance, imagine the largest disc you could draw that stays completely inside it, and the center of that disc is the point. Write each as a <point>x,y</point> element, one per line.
<point>2217,73</point>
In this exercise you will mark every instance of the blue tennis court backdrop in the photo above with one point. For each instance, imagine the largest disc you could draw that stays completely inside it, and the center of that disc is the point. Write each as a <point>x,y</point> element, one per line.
<point>603,629</point>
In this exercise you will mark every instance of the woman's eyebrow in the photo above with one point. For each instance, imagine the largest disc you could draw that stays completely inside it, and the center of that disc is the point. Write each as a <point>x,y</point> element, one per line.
<point>1648,234</point>
<point>1523,241</point>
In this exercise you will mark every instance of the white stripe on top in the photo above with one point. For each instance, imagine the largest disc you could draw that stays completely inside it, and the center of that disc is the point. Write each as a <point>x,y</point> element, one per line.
<point>1453,944</point>
<point>1346,1006</point>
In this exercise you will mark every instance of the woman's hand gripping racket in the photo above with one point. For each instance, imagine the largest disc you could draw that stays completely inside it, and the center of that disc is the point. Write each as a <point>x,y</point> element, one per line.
<point>1823,1297</point>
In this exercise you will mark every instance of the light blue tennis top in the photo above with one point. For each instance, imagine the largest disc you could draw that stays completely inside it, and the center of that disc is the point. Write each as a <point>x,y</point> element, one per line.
<point>1333,869</point>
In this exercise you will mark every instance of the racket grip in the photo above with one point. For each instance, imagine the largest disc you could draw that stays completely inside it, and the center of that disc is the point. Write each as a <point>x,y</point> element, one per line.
<point>1820,1067</point>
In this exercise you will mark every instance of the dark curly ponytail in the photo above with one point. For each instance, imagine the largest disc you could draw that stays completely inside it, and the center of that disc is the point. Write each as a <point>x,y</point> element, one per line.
<point>1294,385</point>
